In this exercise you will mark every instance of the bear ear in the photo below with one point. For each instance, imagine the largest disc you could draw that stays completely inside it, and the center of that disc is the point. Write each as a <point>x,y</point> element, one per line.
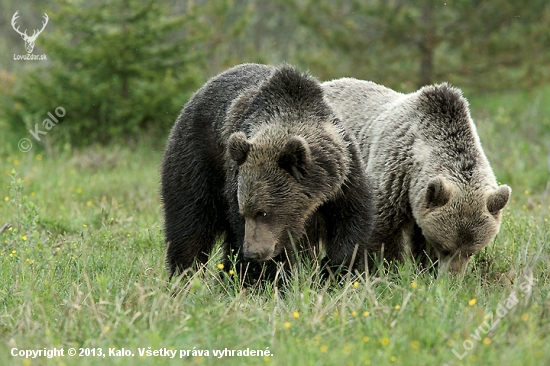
<point>238,147</point>
<point>437,193</point>
<point>497,200</point>
<point>295,157</point>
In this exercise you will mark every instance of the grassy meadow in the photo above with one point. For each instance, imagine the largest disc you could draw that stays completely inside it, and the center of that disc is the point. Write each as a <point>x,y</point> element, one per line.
<point>83,267</point>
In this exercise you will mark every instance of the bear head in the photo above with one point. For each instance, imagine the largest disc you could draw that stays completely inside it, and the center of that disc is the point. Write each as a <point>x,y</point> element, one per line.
<point>287,155</point>
<point>458,220</point>
<point>280,183</point>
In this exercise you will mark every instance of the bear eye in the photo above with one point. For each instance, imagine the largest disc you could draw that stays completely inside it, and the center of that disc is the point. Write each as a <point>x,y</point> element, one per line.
<point>261,214</point>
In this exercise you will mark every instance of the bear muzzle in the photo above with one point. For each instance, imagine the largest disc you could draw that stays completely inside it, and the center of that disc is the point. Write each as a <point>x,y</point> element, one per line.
<point>455,265</point>
<point>259,241</point>
<point>257,255</point>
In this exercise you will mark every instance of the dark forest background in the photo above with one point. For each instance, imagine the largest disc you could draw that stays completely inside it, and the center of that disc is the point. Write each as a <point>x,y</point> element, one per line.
<point>125,68</point>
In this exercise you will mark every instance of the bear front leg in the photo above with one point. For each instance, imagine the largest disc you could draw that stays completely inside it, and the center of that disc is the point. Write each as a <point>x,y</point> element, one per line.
<point>187,244</point>
<point>349,221</point>
<point>392,239</point>
<point>191,213</point>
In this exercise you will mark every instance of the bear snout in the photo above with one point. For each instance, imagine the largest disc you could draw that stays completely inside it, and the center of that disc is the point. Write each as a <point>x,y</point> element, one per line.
<point>261,255</point>
<point>249,256</point>
<point>456,265</point>
<point>259,241</point>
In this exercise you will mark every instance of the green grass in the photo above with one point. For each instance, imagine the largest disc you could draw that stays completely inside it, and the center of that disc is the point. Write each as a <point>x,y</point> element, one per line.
<point>84,267</point>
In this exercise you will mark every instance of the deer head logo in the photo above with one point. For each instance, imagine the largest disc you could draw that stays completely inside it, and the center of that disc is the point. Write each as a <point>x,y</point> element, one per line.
<point>29,40</point>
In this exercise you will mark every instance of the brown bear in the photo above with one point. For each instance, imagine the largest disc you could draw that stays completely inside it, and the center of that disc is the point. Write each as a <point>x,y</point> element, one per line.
<point>259,160</point>
<point>436,196</point>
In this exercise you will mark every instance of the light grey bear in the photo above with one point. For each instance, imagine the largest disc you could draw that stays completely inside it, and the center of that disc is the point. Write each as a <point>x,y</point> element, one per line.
<point>435,194</point>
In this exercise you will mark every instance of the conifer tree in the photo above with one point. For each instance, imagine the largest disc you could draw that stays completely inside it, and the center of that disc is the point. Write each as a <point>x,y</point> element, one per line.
<point>116,67</point>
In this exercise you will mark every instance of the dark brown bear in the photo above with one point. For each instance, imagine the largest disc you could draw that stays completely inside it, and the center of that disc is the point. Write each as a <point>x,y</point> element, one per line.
<point>258,159</point>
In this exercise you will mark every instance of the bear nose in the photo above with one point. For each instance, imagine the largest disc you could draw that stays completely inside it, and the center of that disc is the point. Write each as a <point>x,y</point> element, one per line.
<point>251,255</point>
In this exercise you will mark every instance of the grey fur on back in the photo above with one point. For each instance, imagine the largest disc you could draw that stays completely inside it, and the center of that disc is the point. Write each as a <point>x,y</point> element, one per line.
<point>411,143</point>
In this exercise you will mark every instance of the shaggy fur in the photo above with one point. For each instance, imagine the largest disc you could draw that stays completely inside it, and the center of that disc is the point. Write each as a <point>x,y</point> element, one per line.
<point>257,158</point>
<point>435,194</point>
